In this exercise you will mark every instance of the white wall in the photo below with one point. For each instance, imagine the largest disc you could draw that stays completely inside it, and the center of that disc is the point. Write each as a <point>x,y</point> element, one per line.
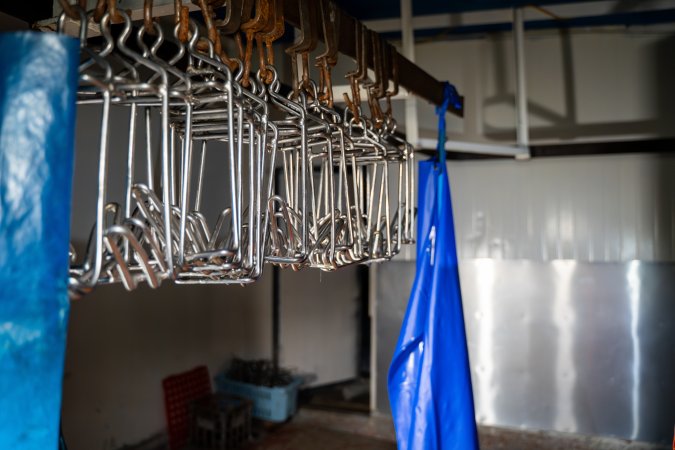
<point>122,344</point>
<point>319,319</point>
<point>583,85</point>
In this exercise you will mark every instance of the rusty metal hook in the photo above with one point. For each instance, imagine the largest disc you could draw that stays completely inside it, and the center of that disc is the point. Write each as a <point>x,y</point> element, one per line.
<point>115,17</point>
<point>276,21</point>
<point>147,17</point>
<point>70,11</point>
<point>354,103</point>
<point>100,9</point>
<point>236,13</point>
<point>183,14</point>
<point>393,59</point>
<point>251,28</point>
<point>207,14</point>
<point>362,78</point>
<point>260,37</point>
<point>306,43</point>
<point>327,60</point>
<point>378,87</point>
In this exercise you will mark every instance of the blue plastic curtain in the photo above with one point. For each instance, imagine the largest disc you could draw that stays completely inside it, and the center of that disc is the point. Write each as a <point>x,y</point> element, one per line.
<point>429,378</point>
<point>38,83</point>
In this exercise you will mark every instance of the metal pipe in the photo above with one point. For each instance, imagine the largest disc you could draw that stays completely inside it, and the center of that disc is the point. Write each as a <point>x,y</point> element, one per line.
<point>522,124</point>
<point>408,34</point>
<point>477,147</point>
<point>276,302</point>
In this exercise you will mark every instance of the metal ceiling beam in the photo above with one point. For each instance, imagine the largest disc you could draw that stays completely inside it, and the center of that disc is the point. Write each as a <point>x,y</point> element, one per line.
<point>463,150</point>
<point>384,9</point>
<point>636,19</point>
<point>411,76</point>
<point>587,14</point>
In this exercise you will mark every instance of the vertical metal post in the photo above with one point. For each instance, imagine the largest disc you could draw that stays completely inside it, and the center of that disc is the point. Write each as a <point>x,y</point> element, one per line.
<point>411,122</point>
<point>38,83</point>
<point>522,124</point>
<point>408,38</point>
<point>276,301</point>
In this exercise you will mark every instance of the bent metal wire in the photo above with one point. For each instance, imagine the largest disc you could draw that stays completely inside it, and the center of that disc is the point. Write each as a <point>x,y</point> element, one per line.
<point>313,187</point>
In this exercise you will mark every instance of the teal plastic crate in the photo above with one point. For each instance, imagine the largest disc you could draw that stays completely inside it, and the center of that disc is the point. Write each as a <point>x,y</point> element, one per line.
<point>273,404</point>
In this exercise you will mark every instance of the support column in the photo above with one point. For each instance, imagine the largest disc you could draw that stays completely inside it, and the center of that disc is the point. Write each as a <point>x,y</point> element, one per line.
<point>408,50</point>
<point>522,122</point>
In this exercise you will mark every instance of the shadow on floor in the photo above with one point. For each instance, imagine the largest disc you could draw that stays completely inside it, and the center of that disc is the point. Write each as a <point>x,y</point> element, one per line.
<point>296,437</point>
<point>348,396</point>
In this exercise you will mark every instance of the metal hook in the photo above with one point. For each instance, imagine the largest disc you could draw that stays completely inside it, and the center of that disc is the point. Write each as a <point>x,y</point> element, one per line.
<point>328,59</point>
<point>354,104</point>
<point>251,28</point>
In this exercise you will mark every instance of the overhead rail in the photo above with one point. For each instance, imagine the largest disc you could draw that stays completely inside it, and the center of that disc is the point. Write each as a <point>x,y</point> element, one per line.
<point>412,78</point>
<point>415,79</point>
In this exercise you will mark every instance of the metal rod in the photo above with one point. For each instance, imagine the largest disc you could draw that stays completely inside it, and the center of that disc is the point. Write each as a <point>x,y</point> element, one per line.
<point>276,300</point>
<point>411,126</point>
<point>522,125</point>
<point>475,147</point>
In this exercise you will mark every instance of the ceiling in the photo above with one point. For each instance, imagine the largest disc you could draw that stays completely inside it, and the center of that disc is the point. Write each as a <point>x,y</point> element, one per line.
<point>382,9</point>
<point>619,12</point>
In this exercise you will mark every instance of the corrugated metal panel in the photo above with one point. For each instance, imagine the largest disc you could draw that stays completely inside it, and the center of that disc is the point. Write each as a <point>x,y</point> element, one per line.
<point>595,208</point>
<point>577,347</point>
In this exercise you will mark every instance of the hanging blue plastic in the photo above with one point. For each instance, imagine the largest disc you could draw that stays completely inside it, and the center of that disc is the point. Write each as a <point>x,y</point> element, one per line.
<point>38,83</point>
<point>429,378</point>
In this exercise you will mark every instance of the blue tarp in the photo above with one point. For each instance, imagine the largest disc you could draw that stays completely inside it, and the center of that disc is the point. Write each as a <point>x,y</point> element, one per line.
<point>38,83</point>
<point>429,378</point>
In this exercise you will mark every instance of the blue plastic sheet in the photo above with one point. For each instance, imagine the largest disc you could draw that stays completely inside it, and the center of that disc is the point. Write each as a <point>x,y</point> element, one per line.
<point>429,378</point>
<point>38,82</point>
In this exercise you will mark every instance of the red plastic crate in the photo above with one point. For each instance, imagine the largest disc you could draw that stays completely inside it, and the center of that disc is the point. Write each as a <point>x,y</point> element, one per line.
<point>179,391</point>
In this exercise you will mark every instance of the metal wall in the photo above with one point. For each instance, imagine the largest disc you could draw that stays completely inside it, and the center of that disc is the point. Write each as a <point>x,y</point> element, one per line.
<point>568,346</point>
<point>567,268</point>
<point>594,208</point>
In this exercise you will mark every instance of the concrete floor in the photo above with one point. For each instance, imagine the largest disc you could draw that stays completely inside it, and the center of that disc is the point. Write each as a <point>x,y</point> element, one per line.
<point>315,429</point>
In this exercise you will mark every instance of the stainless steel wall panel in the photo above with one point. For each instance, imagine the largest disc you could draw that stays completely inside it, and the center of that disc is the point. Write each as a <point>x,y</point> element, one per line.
<point>393,282</point>
<point>569,346</point>
<point>595,208</point>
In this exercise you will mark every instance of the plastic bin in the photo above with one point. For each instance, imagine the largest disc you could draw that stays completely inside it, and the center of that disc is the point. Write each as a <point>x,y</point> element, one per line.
<point>274,404</point>
<point>220,422</point>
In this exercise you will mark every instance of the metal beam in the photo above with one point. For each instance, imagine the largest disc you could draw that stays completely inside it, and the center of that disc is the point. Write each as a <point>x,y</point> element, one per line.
<point>411,125</point>
<point>567,13</point>
<point>376,10</point>
<point>411,76</point>
<point>471,150</point>
<point>475,147</point>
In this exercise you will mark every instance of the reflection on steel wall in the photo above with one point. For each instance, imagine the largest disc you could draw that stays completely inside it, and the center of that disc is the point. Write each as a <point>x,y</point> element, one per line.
<point>593,208</point>
<point>579,347</point>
